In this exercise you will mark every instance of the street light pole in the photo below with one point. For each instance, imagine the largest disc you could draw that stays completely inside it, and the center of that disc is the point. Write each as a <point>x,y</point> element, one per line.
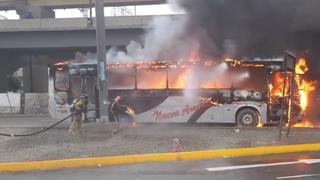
<point>101,56</point>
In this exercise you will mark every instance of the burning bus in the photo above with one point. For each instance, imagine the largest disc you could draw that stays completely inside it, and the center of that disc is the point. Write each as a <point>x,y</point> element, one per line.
<point>250,92</point>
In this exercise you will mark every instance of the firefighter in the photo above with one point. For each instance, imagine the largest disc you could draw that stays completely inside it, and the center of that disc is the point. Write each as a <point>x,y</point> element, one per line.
<point>85,109</point>
<point>77,108</point>
<point>115,108</point>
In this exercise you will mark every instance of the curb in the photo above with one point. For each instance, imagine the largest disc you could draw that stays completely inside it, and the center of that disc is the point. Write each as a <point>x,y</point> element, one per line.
<point>149,158</point>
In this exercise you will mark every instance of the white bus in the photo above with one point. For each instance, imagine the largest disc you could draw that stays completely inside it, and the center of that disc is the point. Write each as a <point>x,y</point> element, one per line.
<point>153,92</point>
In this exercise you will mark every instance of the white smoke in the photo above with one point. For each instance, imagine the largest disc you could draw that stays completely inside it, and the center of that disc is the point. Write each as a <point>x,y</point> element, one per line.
<point>217,76</point>
<point>240,77</point>
<point>165,39</point>
<point>200,76</point>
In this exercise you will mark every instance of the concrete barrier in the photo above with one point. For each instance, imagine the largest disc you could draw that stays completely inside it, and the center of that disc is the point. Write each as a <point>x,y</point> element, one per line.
<point>36,103</point>
<point>10,103</point>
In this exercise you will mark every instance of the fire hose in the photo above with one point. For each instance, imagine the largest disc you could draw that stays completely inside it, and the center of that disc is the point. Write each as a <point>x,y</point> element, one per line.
<point>43,130</point>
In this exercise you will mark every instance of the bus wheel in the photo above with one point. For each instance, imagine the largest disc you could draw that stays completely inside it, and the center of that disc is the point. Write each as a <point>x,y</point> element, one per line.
<point>247,118</point>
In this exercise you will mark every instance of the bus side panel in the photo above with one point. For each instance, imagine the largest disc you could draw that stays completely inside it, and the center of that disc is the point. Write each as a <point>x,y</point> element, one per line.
<point>173,109</point>
<point>181,109</point>
<point>215,114</point>
<point>263,111</point>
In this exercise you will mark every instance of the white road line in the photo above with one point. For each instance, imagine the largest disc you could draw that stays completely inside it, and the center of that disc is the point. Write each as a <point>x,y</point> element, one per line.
<point>225,168</point>
<point>298,176</point>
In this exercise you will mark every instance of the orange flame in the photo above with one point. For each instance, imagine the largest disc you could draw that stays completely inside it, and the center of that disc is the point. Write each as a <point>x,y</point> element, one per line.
<point>304,124</point>
<point>239,63</point>
<point>181,80</point>
<point>276,86</point>
<point>305,87</point>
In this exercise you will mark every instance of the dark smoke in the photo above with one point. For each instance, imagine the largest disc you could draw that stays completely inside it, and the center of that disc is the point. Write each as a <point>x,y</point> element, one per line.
<point>255,28</point>
<point>258,28</point>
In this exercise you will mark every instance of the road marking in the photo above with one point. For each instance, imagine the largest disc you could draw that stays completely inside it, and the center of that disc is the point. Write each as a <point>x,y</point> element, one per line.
<point>226,168</point>
<point>310,161</point>
<point>298,176</point>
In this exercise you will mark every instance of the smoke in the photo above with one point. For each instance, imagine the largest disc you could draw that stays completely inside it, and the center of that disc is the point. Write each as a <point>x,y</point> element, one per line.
<point>232,28</point>
<point>212,75</point>
<point>240,77</point>
<point>166,39</point>
<point>217,76</point>
<point>249,25</point>
<point>256,28</point>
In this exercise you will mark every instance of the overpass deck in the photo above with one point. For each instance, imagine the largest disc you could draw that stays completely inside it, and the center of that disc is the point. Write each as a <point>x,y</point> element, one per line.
<point>120,22</point>
<point>69,33</point>
<point>11,4</point>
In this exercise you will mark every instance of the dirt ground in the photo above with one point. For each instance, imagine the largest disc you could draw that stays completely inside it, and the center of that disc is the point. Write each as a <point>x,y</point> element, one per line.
<point>97,140</point>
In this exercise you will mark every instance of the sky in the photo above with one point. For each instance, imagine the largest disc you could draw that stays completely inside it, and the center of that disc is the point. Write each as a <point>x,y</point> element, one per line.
<point>162,9</point>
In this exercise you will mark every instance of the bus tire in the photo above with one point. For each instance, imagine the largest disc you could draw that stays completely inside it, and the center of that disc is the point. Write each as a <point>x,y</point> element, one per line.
<point>247,118</point>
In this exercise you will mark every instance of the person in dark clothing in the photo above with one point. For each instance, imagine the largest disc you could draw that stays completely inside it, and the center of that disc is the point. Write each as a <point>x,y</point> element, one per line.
<point>29,15</point>
<point>115,108</point>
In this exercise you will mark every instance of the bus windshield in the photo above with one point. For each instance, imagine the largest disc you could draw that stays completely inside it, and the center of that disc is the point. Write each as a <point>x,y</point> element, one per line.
<point>61,79</point>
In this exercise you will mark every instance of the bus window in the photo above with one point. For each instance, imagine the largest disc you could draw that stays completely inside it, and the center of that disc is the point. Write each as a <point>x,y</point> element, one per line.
<point>80,85</point>
<point>151,79</point>
<point>255,74</point>
<point>61,79</point>
<point>90,86</point>
<point>178,78</point>
<point>121,78</point>
<point>76,84</point>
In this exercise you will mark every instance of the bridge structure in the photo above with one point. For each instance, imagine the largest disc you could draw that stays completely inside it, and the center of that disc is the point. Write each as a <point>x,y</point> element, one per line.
<point>38,42</point>
<point>44,8</point>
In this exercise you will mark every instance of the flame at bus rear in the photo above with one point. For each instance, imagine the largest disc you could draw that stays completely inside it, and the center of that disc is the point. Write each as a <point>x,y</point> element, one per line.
<point>276,85</point>
<point>305,87</point>
<point>304,124</point>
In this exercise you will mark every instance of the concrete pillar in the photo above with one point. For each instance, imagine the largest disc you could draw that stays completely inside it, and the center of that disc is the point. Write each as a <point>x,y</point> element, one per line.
<point>35,75</point>
<point>7,67</point>
<point>3,83</point>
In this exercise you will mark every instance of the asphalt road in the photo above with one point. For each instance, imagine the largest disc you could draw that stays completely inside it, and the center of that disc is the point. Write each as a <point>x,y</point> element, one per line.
<point>284,166</point>
<point>29,121</point>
